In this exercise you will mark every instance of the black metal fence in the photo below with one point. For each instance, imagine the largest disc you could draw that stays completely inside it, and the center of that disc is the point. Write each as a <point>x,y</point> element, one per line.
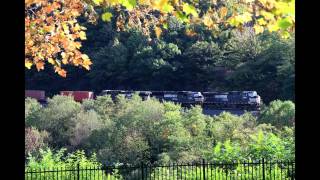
<point>255,170</point>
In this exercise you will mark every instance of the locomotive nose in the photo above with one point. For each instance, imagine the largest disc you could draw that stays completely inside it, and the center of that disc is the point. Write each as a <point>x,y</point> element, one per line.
<point>198,97</point>
<point>258,99</point>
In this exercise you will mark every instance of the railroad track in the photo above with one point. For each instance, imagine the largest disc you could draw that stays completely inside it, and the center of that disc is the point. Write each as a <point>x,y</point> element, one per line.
<point>215,112</point>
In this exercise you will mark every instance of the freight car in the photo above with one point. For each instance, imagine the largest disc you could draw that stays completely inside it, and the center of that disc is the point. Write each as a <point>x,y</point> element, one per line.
<point>39,95</point>
<point>78,96</point>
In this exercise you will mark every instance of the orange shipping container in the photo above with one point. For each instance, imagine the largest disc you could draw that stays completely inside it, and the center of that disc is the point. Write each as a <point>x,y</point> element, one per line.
<point>78,96</point>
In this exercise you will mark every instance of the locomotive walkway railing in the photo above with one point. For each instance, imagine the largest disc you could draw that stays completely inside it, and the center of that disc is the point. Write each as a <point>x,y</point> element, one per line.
<point>255,170</point>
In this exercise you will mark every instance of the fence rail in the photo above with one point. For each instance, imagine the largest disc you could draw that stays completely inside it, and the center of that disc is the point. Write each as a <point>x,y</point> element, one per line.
<point>257,170</point>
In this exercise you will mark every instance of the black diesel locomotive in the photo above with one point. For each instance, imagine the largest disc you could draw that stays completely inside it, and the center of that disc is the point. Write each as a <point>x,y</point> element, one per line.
<point>249,100</point>
<point>128,94</point>
<point>183,97</point>
<point>217,100</point>
<point>232,100</point>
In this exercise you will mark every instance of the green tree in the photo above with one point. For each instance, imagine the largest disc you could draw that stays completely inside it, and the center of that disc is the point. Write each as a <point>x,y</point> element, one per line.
<point>243,46</point>
<point>110,66</point>
<point>271,73</point>
<point>225,126</point>
<point>195,121</point>
<point>85,123</point>
<point>199,64</point>
<point>57,119</point>
<point>157,62</point>
<point>279,113</point>
<point>268,146</point>
<point>32,107</point>
<point>227,152</point>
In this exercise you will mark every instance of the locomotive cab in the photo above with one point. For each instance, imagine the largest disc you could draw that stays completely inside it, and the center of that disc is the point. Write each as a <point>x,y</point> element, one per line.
<point>254,98</point>
<point>197,97</point>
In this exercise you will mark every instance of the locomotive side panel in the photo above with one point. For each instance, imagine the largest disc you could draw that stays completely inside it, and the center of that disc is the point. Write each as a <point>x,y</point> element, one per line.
<point>232,100</point>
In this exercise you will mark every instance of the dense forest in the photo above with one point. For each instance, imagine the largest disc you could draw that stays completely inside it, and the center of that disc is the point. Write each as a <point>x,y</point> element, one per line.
<point>181,59</point>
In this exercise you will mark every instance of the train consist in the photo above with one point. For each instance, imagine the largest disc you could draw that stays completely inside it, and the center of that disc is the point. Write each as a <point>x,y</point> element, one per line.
<point>249,100</point>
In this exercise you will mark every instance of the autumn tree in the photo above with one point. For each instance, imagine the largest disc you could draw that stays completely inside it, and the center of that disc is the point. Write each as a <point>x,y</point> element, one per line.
<point>52,34</point>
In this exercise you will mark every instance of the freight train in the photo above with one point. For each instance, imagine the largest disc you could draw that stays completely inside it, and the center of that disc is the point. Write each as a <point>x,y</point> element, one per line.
<point>249,100</point>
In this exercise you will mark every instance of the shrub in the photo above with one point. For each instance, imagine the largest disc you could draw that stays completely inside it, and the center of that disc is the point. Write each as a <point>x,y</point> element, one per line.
<point>85,124</point>
<point>57,160</point>
<point>268,146</point>
<point>35,140</point>
<point>279,114</point>
<point>32,107</point>
<point>58,119</point>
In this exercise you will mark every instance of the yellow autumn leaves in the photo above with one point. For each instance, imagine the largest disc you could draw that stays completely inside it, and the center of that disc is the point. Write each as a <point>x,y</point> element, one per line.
<point>52,35</point>
<point>158,31</point>
<point>212,18</point>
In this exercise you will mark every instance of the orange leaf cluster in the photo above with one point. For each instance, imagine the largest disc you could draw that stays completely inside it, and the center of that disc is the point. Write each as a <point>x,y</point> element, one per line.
<point>141,18</point>
<point>53,35</point>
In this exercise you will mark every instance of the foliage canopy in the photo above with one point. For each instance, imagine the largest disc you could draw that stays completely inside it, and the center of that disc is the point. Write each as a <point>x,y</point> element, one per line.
<point>54,35</point>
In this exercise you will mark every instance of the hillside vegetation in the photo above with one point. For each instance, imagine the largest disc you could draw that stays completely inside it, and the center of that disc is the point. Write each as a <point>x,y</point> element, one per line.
<point>133,131</point>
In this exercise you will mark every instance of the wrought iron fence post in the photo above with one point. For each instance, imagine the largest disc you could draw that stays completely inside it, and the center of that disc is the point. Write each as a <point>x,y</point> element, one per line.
<point>142,171</point>
<point>203,169</point>
<point>78,171</point>
<point>263,170</point>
